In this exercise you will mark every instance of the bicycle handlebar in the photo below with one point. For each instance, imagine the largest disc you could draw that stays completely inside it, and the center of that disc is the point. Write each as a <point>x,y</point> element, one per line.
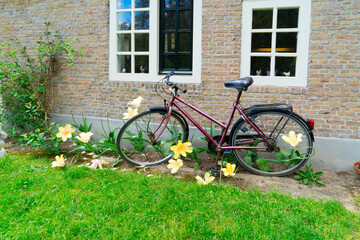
<point>175,85</point>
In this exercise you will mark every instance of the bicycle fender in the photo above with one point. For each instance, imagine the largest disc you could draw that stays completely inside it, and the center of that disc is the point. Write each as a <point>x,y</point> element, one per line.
<point>181,117</point>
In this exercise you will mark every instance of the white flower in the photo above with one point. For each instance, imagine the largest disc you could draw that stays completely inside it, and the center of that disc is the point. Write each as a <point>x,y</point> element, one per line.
<point>131,113</point>
<point>207,179</point>
<point>136,102</point>
<point>97,163</point>
<point>174,165</point>
<point>84,137</point>
<point>59,161</point>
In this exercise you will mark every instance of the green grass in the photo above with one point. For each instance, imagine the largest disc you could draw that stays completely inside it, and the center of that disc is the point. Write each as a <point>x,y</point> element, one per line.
<point>40,202</point>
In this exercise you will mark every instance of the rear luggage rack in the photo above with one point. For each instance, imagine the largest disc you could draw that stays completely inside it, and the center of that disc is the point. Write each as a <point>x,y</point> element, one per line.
<point>272,106</point>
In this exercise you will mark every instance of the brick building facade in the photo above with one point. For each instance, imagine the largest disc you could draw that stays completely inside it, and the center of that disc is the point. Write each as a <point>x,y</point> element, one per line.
<point>331,95</point>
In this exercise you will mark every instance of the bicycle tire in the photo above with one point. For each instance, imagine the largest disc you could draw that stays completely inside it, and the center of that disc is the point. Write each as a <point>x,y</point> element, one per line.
<point>134,139</point>
<point>272,161</point>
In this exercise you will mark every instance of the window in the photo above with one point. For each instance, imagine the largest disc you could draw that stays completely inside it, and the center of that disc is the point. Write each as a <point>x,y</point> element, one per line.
<point>275,41</point>
<point>149,38</point>
<point>176,25</point>
<point>133,36</point>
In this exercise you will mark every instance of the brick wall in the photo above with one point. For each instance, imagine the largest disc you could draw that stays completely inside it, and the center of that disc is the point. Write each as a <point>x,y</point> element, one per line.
<point>331,98</point>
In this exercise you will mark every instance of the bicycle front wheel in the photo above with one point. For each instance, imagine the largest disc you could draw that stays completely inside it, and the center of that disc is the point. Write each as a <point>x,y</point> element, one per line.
<point>280,158</point>
<point>136,139</point>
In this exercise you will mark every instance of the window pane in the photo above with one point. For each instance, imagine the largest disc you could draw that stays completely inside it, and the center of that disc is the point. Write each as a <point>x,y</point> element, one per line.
<point>142,42</point>
<point>169,42</point>
<point>124,63</point>
<point>184,42</point>
<point>184,62</point>
<point>184,3</point>
<point>285,66</point>
<point>288,18</point>
<point>141,3</point>
<point>184,19</point>
<point>142,64</point>
<point>170,20</point>
<point>124,21</point>
<point>124,4</point>
<point>142,20</point>
<point>169,62</point>
<point>261,42</point>
<point>124,42</point>
<point>260,66</point>
<point>262,19</point>
<point>286,42</point>
<point>170,3</point>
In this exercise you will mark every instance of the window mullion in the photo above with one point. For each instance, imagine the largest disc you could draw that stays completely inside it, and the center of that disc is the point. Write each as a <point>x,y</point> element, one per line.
<point>273,43</point>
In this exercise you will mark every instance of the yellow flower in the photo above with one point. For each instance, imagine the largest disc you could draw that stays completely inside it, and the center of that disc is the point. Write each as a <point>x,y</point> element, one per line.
<point>84,137</point>
<point>207,179</point>
<point>59,161</point>
<point>292,139</point>
<point>131,113</point>
<point>229,171</point>
<point>174,165</point>
<point>136,102</point>
<point>65,132</point>
<point>97,163</point>
<point>181,148</point>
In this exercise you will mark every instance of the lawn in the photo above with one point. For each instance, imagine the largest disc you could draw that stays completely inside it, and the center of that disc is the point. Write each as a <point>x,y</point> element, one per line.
<point>40,202</point>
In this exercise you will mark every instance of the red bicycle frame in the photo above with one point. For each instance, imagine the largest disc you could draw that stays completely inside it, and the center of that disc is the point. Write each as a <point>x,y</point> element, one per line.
<point>224,128</point>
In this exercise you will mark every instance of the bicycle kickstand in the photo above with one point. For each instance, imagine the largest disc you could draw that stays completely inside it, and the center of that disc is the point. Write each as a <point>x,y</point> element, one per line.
<point>227,152</point>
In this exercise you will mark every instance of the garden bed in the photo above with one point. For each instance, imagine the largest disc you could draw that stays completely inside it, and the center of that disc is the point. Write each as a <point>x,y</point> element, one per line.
<point>340,186</point>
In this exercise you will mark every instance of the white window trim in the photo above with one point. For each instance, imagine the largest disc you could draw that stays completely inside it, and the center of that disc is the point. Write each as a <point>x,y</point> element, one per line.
<point>153,75</point>
<point>304,26</point>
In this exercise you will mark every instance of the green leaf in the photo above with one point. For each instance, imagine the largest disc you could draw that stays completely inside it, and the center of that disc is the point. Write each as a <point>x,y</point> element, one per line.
<point>247,159</point>
<point>318,174</point>
<point>263,164</point>
<point>320,182</point>
<point>282,155</point>
<point>298,177</point>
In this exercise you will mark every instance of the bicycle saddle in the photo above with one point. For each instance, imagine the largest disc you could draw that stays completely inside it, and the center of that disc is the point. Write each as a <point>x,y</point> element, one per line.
<point>240,84</point>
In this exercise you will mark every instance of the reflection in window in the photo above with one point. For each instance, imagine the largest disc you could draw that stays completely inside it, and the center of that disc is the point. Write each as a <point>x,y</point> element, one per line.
<point>124,21</point>
<point>142,20</point>
<point>124,42</point>
<point>124,4</point>
<point>142,3</point>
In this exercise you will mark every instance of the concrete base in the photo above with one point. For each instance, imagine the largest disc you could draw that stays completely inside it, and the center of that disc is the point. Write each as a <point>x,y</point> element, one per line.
<point>331,153</point>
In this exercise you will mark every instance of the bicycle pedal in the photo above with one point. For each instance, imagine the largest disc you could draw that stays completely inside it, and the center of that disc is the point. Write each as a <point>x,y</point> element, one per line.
<point>215,171</point>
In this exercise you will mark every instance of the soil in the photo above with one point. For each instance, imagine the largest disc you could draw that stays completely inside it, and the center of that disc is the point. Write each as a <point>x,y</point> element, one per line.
<point>340,186</point>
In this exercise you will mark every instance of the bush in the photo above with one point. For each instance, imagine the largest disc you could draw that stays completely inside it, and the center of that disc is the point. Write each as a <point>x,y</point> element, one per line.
<point>24,87</point>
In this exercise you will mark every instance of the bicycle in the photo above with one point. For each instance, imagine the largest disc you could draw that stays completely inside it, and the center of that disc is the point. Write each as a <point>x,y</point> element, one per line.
<point>255,139</point>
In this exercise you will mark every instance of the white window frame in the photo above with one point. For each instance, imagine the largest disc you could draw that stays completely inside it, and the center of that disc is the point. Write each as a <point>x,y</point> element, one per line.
<point>154,25</point>
<point>304,26</point>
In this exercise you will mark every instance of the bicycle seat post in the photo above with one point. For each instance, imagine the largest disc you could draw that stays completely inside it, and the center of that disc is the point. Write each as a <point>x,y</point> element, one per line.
<point>239,95</point>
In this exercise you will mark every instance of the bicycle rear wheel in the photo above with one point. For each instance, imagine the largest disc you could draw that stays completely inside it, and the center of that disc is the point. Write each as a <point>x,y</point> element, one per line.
<point>135,141</point>
<point>280,158</point>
